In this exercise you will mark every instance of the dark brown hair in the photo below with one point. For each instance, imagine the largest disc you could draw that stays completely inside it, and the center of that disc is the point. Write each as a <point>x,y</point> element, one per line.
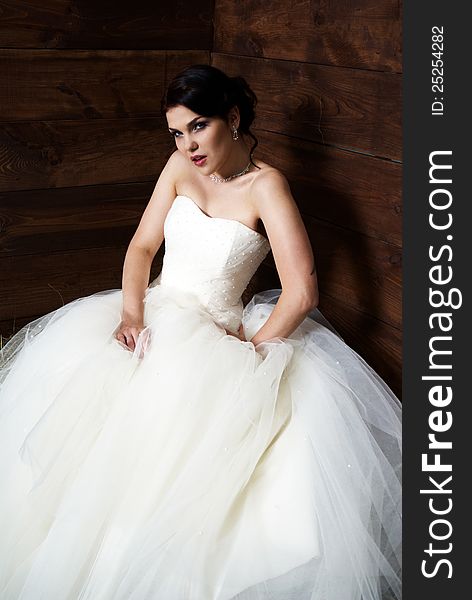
<point>209,92</point>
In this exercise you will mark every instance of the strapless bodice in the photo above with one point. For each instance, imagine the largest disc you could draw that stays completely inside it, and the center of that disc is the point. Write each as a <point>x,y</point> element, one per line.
<point>212,257</point>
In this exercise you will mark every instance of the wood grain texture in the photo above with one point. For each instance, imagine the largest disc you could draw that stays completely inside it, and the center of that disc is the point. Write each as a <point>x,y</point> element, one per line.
<point>348,108</point>
<point>45,154</point>
<point>40,284</point>
<point>114,24</point>
<point>179,60</point>
<point>364,34</point>
<point>363,272</point>
<point>86,84</point>
<point>348,189</point>
<point>64,219</point>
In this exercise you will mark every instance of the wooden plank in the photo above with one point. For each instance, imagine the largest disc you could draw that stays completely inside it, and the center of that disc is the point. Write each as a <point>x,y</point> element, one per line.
<point>46,154</point>
<point>64,219</point>
<point>363,272</point>
<point>120,25</point>
<point>347,108</point>
<point>351,190</point>
<point>86,84</point>
<point>179,60</point>
<point>365,35</point>
<point>80,84</point>
<point>40,285</point>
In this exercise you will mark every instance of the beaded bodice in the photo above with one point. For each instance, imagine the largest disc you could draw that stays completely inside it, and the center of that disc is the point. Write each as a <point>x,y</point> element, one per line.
<point>212,257</point>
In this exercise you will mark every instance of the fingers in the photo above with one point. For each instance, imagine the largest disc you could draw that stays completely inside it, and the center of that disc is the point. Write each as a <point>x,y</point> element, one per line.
<point>128,336</point>
<point>130,340</point>
<point>239,335</point>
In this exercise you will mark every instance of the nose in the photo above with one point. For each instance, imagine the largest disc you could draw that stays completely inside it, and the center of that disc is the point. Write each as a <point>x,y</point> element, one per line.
<point>190,144</point>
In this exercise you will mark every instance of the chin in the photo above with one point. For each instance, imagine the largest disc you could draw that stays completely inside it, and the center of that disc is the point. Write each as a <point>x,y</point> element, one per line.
<point>204,170</point>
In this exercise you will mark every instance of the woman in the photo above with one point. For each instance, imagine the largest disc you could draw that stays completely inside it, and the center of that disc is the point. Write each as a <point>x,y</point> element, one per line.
<point>164,442</point>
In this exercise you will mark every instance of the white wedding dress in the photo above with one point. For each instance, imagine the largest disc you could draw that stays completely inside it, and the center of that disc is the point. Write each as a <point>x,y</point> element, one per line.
<point>195,468</point>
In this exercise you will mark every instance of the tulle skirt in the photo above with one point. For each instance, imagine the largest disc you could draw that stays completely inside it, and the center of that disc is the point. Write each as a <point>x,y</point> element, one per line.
<point>196,467</point>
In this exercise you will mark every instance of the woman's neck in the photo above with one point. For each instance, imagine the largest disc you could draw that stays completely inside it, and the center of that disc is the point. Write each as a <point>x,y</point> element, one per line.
<point>237,161</point>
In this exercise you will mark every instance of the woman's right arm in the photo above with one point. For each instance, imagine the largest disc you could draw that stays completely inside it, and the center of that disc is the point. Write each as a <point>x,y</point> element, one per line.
<point>141,251</point>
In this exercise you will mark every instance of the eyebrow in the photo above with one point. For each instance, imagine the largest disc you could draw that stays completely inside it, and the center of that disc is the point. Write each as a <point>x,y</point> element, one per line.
<point>189,124</point>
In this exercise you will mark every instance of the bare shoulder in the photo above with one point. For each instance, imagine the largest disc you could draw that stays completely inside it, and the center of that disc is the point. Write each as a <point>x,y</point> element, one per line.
<point>166,186</point>
<point>176,165</point>
<point>183,172</point>
<point>270,187</point>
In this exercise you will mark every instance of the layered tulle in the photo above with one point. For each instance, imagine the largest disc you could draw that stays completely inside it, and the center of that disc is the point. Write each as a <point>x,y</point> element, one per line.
<point>197,467</point>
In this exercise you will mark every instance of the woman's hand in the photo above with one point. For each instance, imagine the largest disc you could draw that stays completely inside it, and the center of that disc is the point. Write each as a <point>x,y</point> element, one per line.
<point>127,334</point>
<point>240,335</point>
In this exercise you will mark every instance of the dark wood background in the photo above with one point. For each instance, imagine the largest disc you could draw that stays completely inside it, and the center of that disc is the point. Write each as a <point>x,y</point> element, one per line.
<point>82,143</point>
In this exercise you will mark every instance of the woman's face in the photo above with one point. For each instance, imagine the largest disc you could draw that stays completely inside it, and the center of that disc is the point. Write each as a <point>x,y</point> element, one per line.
<point>197,136</point>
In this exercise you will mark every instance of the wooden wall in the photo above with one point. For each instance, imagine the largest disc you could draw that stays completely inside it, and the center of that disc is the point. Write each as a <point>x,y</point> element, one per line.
<point>328,79</point>
<point>82,142</point>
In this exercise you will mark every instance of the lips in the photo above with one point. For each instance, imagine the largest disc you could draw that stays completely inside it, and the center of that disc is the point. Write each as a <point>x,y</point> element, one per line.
<point>199,160</point>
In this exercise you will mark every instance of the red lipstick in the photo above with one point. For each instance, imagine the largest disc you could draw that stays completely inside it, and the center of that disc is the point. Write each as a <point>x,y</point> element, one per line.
<point>199,159</point>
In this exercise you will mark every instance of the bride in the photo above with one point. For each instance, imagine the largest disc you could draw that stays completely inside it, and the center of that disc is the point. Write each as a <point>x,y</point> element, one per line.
<point>165,442</point>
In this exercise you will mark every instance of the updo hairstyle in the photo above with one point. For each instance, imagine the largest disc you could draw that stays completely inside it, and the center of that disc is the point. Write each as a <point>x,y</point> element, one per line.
<point>209,92</point>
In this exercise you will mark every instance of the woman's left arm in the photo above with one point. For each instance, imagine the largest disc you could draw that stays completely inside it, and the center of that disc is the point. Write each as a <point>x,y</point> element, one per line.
<point>292,253</point>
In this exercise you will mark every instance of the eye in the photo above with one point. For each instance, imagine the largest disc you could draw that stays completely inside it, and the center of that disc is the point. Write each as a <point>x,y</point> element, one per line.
<point>202,123</point>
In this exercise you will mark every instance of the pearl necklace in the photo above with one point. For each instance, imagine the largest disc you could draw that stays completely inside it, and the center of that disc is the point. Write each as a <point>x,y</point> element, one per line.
<point>217,179</point>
